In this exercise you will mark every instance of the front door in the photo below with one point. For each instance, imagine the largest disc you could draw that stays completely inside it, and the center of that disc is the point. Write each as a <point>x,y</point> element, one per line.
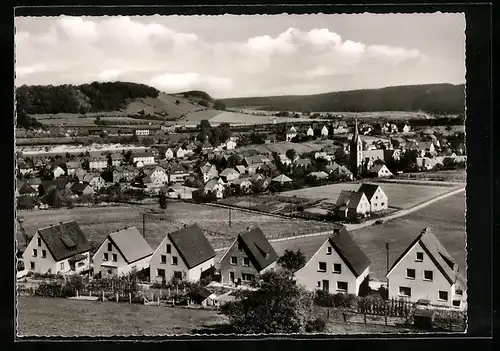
<point>326,285</point>
<point>231,277</point>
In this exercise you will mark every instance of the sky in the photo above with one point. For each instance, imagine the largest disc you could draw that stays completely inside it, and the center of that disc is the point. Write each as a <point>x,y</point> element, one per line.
<point>237,56</point>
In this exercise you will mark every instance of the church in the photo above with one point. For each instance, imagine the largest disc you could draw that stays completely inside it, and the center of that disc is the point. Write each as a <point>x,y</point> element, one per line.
<point>356,152</point>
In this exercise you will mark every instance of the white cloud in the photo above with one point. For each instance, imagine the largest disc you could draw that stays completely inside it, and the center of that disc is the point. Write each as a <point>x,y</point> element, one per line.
<point>123,48</point>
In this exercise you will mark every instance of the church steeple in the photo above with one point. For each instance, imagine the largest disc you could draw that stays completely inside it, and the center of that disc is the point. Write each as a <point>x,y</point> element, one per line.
<point>356,150</point>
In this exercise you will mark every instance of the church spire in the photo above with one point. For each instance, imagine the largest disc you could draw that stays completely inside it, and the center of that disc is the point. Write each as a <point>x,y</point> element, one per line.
<point>356,131</point>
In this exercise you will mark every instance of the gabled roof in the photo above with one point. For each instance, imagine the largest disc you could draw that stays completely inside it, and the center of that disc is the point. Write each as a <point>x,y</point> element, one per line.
<point>89,176</point>
<point>351,199</point>
<point>73,164</point>
<point>25,188</point>
<point>319,174</point>
<point>57,183</point>
<point>241,169</point>
<point>211,184</point>
<point>206,145</point>
<point>64,240</point>
<point>368,189</point>
<point>258,248</point>
<point>142,154</point>
<point>438,254</point>
<point>131,244</point>
<point>192,245</point>
<point>292,130</point>
<point>228,171</point>
<point>376,168</point>
<point>177,168</point>
<point>281,178</point>
<point>349,251</point>
<point>303,162</point>
<point>34,181</point>
<point>240,181</point>
<point>79,187</point>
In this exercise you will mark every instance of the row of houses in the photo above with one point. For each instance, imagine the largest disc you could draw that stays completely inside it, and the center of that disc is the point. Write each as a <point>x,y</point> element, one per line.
<point>425,270</point>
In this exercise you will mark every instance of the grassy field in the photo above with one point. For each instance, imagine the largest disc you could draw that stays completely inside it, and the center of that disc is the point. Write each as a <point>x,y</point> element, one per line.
<point>446,218</point>
<point>98,222</point>
<point>243,118</point>
<point>62,317</point>
<point>197,116</point>
<point>75,120</point>
<point>400,195</point>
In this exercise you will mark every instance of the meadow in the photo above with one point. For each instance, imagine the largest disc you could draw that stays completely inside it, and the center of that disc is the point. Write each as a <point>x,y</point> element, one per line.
<point>63,317</point>
<point>400,195</point>
<point>283,146</point>
<point>98,222</point>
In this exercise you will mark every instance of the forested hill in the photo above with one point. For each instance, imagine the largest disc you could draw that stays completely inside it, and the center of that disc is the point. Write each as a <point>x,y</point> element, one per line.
<point>94,97</point>
<point>432,98</point>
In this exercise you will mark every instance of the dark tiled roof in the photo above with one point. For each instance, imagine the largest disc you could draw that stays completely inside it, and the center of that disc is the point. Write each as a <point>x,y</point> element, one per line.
<point>25,188</point>
<point>349,198</point>
<point>56,183</point>
<point>368,189</point>
<point>64,240</point>
<point>34,181</point>
<point>79,187</point>
<point>192,245</point>
<point>131,244</point>
<point>259,250</point>
<point>350,252</point>
<point>142,154</point>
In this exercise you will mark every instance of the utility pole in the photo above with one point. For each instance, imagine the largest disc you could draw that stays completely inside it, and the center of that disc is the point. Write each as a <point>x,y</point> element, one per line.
<point>387,262</point>
<point>229,217</point>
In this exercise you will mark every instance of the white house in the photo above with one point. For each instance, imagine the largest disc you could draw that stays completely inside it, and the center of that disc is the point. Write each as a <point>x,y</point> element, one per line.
<point>179,152</point>
<point>324,131</point>
<point>406,128</point>
<point>425,270</point>
<point>215,186</point>
<point>94,180</point>
<point>57,171</point>
<point>116,159</point>
<point>158,175</point>
<point>310,132</point>
<point>352,203</point>
<point>98,163</point>
<point>121,253</point>
<point>380,170</point>
<point>231,145</point>
<point>144,157</point>
<point>178,173</point>
<point>375,195</point>
<point>169,154</point>
<point>184,254</point>
<point>141,132</point>
<point>338,266</point>
<point>58,249</point>
<point>208,171</point>
<point>229,174</point>
<point>72,166</point>
<point>291,133</point>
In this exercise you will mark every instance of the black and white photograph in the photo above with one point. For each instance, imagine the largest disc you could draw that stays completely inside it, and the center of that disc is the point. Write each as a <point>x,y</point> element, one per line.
<point>240,174</point>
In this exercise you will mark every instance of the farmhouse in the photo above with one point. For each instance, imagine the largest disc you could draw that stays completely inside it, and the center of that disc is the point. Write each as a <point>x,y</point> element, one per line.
<point>229,174</point>
<point>94,180</point>
<point>143,158</point>
<point>215,186</point>
<point>58,249</point>
<point>425,270</point>
<point>375,195</point>
<point>121,253</point>
<point>338,266</point>
<point>206,147</point>
<point>208,171</point>
<point>379,170</point>
<point>184,254</point>
<point>427,149</point>
<point>81,189</point>
<point>179,152</point>
<point>157,175</point>
<point>98,163</point>
<point>351,204</point>
<point>249,255</point>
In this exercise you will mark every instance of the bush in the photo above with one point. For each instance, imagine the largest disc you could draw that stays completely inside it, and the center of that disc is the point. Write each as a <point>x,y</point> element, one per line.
<point>345,301</point>
<point>316,325</point>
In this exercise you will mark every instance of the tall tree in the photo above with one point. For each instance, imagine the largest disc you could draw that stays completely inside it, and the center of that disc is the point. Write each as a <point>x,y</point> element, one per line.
<point>292,260</point>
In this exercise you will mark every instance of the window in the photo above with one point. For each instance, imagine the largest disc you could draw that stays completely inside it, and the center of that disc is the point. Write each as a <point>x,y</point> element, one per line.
<point>105,258</point>
<point>240,247</point>
<point>458,290</point>
<point>321,266</point>
<point>376,197</point>
<point>169,248</point>
<point>382,204</point>
<point>80,264</point>
<point>337,268</point>
<point>32,265</point>
<point>44,253</point>
<point>115,257</point>
<point>410,273</point>
<point>39,241</point>
<point>342,286</point>
<point>62,266</point>
<point>246,261</point>
<point>110,271</point>
<point>443,295</point>
<point>35,253</point>
<point>318,284</point>
<point>177,275</point>
<point>456,303</point>
<point>160,273</point>
<point>231,276</point>
<point>420,257</point>
<point>428,275</point>
<point>329,250</point>
<point>110,247</point>
<point>234,260</point>
<point>404,291</point>
<point>174,260</point>
<point>247,277</point>
<point>163,259</point>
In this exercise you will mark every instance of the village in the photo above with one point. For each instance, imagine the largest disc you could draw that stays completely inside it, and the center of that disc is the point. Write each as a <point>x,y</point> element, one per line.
<point>208,272</point>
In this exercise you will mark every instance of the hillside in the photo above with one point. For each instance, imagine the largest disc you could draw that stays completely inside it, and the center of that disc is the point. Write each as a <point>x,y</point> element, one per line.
<point>432,98</point>
<point>115,101</point>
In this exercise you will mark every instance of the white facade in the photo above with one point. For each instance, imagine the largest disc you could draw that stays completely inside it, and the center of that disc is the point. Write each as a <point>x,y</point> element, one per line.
<point>142,132</point>
<point>310,132</point>
<point>418,287</point>
<point>169,154</point>
<point>334,277</point>
<point>159,176</point>
<point>112,263</point>
<point>97,183</point>
<point>180,153</point>
<point>37,258</point>
<point>166,260</point>
<point>230,145</point>
<point>98,164</point>
<point>145,160</point>
<point>57,172</point>
<point>324,131</point>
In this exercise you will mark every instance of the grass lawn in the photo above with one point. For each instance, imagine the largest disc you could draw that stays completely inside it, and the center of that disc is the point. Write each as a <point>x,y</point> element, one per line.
<point>98,222</point>
<point>63,317</point>
<point>446,218</point>
<point>400,195</point>
<point>197,116</point>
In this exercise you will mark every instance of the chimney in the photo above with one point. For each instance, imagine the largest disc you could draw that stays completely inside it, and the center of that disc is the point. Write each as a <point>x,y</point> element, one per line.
<point>336,231</point>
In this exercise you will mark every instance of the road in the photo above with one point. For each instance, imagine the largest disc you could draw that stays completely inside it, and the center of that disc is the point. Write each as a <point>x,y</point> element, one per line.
<point>356,226</point>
